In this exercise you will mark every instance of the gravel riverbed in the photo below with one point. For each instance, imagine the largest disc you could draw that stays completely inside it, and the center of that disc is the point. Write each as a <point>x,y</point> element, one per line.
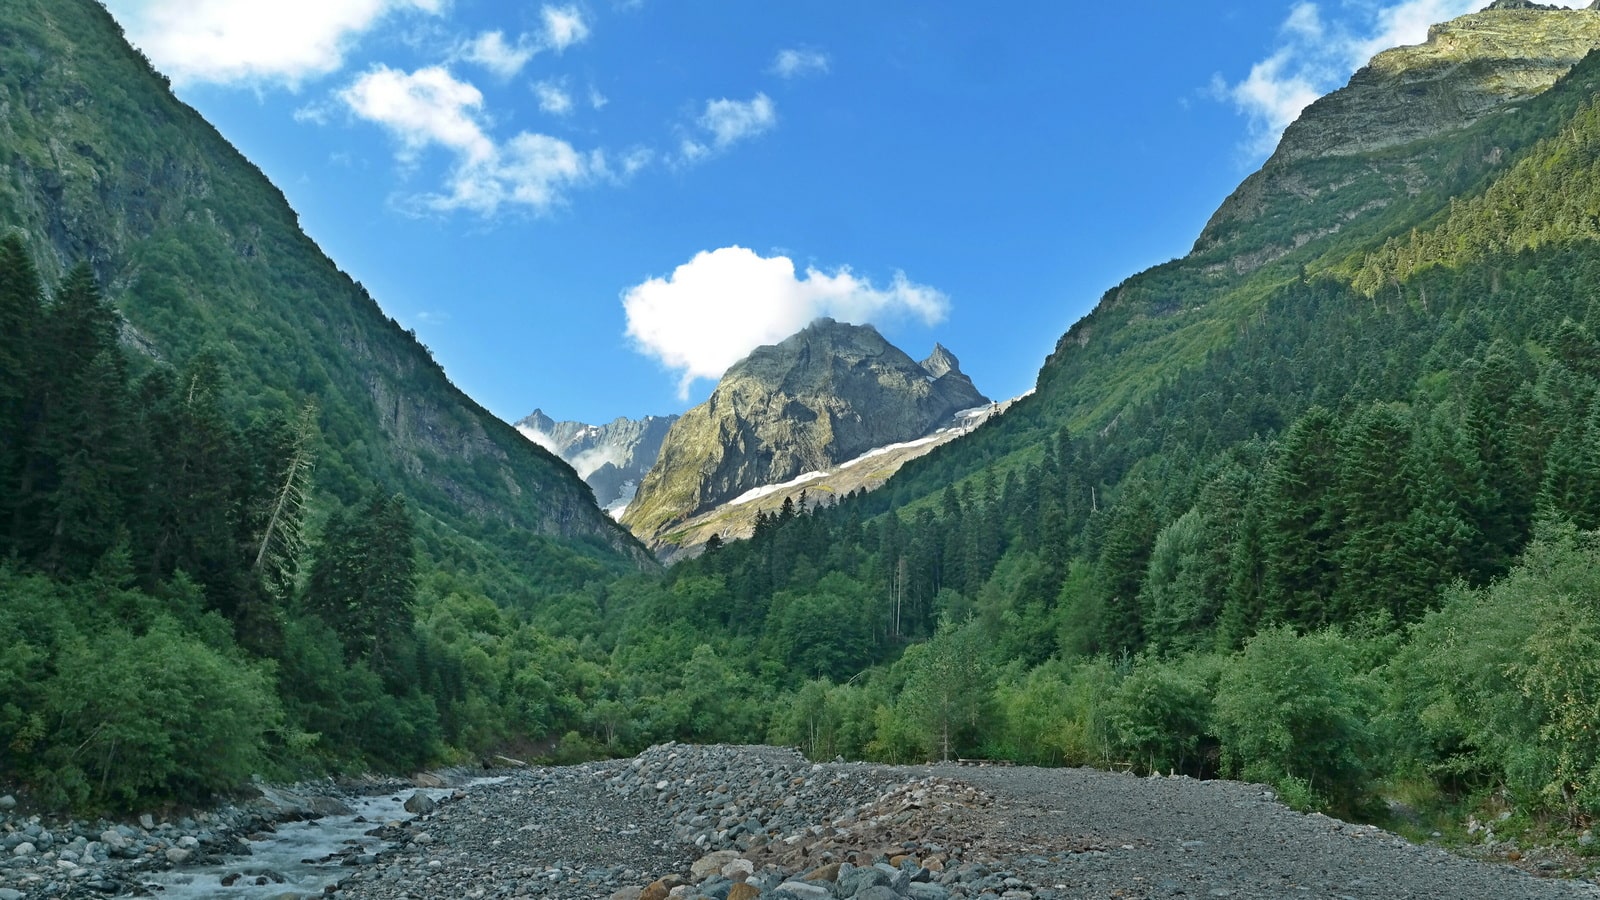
<point>751,823</point>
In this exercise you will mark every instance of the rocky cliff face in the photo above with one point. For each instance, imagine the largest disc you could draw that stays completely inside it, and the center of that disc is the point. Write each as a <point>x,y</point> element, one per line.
<point>99,162</point>
<point>1378,130</point>
<point>613,458</point>
<point>826,395</point>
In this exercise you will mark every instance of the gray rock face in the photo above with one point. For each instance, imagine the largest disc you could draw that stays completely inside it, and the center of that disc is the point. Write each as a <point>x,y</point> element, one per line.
<point>611,458</point>
<point>1470,68</point>
<point>826,395</point>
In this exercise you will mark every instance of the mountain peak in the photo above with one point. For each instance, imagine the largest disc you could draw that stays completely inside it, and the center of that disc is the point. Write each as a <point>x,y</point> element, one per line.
<point>825,395</point>
<point>941,362</point>
<point>1470,69</point>
<point>1528,4</point>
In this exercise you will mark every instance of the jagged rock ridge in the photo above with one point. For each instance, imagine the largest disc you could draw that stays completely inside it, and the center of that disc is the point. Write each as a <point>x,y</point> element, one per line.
<point>611,458</point>
<point>824,396</point>
<point>1475,66</point>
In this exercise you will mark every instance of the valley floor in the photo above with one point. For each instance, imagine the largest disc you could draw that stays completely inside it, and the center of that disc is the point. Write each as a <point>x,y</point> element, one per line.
<point>712,817</point>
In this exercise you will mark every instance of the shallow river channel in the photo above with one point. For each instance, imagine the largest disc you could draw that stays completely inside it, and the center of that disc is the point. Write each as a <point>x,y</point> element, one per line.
<point>288,863</point>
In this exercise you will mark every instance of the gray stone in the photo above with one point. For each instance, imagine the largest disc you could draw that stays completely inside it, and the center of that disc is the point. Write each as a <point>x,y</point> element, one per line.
<point>711,864</point>
<point>178,856</point>
<point>805,890</point>
<point>877,892</point>
<point>147,821</point>
<point>24,849</point>
<point>851,883</point>
<point>329,806</point>
<point>420,804</point>
<point>8,803</point>
<point>10,894</point>
<point>923,891</point>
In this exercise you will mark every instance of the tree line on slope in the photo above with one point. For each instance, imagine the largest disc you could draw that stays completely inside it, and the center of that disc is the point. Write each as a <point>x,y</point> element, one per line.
<point>1348,551</point>
<point>181,611</point>
<point>1299,564</point>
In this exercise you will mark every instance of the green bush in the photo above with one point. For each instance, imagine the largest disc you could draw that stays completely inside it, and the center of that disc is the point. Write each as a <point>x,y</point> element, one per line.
<point>1299,712</point>
<point>1161,712</point>
<point>157,716</point>
<point>1503,683</point>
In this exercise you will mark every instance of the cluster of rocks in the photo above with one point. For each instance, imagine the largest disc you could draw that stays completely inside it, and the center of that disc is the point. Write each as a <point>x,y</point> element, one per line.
<point>777,826</point>
<point>41,857</point>
<point>726,875</point>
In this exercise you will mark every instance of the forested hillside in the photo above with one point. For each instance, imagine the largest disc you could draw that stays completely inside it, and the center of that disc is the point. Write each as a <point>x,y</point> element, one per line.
<point>201,255</point>
<point>1318,504</point>
<point>1328,522</point>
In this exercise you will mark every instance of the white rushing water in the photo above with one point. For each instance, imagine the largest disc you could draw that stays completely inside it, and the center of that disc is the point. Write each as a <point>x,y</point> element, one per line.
<point>293,853</point>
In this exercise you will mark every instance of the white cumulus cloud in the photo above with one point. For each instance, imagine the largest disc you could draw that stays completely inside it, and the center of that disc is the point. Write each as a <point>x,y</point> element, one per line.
<point>249,42</point>
<point>1316,55</point>
<point>431,108</point>
<point>722,304</point>
<point>730,121</point>
<point>793,63</point>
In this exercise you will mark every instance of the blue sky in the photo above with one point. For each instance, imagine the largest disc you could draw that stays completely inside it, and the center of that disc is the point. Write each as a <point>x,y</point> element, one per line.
<point>595,207</point>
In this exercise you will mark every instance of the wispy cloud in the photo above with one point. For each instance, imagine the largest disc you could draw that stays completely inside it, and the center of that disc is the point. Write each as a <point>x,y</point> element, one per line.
<point>722,304</point>
<point>563,26</point>
<point>553,98</point>
<point>1316,54</point>
<point>794,62</point>
<point>491,50</point>
<point>560,27</point>
<point>286,42</point>
<point>726,122</point>
<point>430,108</point>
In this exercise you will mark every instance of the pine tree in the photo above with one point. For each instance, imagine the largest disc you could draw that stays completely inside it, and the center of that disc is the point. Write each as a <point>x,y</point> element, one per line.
<point>1372,504</point>
<point>20,312</point>
<point>278,552</point>
<point>1299,533</point>
<point>363,583</point>
<point>76,465</point>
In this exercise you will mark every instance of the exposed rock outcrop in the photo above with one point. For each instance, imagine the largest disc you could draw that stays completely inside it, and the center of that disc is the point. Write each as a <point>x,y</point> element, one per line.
<point>826,395</point>
<point>611,458</point>
<point>1471,67</point>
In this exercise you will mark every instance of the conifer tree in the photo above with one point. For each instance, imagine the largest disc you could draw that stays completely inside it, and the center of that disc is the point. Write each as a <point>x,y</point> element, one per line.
<point>363,583</point>
<point>20,311</point>
<point>1299,533</point>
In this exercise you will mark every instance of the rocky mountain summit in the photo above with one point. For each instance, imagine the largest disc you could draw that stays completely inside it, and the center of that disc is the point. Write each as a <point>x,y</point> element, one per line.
<point>824,396</point>
<point>1375,142</point>
<point>612,458</point>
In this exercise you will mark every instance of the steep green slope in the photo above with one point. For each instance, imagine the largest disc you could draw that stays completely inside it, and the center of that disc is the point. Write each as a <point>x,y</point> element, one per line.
<point>1350,552</point>
<point>1331,193</point>
<point>100,163</point>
